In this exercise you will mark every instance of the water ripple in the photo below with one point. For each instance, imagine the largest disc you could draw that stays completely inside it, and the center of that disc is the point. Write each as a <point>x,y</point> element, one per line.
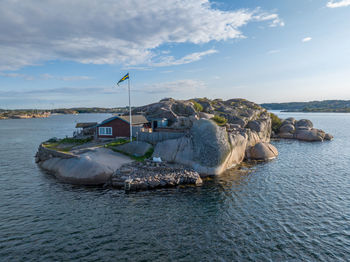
<point>295,208</point>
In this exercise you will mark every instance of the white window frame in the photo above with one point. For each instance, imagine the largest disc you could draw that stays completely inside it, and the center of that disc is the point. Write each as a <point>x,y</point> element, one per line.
<point>105,131</point>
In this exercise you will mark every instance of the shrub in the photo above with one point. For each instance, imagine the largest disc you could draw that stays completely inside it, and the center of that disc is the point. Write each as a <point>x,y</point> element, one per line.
<point>276,122</point>
<point>197,106</point>
<point>220,120</point>
<point>69,140</point>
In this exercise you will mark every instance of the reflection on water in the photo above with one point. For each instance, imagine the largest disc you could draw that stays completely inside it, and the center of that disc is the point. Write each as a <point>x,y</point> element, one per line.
<point>294,208</point>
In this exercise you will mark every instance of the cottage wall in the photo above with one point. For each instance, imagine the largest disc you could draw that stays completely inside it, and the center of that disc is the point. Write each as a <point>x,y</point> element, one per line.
<point>120,128</point>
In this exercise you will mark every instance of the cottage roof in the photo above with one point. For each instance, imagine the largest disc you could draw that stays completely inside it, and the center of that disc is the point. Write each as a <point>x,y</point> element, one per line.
<point>85,125</point>
<point>136,119</point>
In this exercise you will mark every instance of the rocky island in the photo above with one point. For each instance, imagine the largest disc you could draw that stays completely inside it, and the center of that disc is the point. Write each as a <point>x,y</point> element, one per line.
<point>201,137</point>
<point>23,114</point>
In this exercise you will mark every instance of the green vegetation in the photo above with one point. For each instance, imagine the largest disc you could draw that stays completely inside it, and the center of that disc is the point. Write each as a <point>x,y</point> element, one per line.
<point>117,142</point>
<point>197,106</point>
<point>59,145</point>
<point>68,140</point>
<point>341,106</point>
<point>219,120</point>
<point>276,122</point>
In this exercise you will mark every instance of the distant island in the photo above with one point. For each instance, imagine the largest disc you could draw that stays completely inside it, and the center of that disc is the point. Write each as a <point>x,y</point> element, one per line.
<point>41,113</point>
<point>338,106</point>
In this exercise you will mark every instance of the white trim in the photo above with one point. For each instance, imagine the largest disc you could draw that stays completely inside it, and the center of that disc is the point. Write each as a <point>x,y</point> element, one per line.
<point>105,131</point>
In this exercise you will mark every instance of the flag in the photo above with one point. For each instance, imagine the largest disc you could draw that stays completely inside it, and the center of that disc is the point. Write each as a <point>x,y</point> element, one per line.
<point>123,78</point>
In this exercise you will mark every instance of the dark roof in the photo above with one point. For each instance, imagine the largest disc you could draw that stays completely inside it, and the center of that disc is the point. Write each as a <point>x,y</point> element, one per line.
<point>85,125</point>
<point>136,119</point>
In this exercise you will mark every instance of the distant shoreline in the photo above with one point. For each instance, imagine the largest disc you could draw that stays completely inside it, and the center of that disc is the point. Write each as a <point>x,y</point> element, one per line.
<point>43,113</point>
<point>325,106</point>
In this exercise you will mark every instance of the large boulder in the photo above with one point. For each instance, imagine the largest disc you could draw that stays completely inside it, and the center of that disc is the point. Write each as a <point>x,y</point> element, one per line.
<point>287,128</point>
<point>261,151</point>
<point>310,135</point>
<point>262,127</point>
<point>210,142</point>
<point>209,149</point>
<point>289,120</point>
<point>94,167</point>
<point>303,123</point>
<point>183,122</point>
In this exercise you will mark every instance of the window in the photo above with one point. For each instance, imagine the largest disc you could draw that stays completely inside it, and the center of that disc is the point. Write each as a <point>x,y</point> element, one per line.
<point>105,131</point>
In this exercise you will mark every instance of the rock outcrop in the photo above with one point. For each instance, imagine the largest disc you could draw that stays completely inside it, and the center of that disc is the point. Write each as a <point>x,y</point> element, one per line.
<point>92,167</point>
<point>208,148</point>
<point>262,151</point>
<point>150,175</point>
<point>206,137</point>
<point>302,130</point>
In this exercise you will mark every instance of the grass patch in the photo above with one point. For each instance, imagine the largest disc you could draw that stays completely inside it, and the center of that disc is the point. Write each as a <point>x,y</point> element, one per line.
<point>220,120</point>
<point>55,145</point>
<point>117,143</point>
<point>75,141</point>
<point>136,158</point>
<point>197,106</point>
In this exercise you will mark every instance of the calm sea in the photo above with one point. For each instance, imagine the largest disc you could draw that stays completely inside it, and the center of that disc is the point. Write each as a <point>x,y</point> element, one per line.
<point>295,208</point>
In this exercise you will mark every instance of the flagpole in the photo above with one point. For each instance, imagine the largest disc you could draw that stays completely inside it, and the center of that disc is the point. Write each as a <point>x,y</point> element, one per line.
<point>130,110</point>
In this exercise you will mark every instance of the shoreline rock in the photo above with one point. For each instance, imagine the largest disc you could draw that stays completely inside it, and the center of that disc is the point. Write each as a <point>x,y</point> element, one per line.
<point>302,130</point>
<point>150,175</point>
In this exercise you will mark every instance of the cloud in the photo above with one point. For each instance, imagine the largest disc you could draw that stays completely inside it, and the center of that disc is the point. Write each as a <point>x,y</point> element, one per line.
<point>62,91</point>
<point>106,32</point>
<point>45,76</point>
<point>306,39</point>
<point>65,78</point>
<point>180,86</point>
<point>335,4</point>
<point>16,75</point>
<point>170,60</point>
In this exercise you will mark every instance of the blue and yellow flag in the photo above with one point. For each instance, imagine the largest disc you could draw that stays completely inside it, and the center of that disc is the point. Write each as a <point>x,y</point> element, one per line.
<point>123,78</point>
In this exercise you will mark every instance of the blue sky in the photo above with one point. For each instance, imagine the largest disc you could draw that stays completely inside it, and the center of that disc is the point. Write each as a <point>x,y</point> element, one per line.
<point>72,53</point>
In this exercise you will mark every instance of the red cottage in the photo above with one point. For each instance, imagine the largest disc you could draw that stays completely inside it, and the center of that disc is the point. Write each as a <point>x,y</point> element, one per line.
<point>119,126</point>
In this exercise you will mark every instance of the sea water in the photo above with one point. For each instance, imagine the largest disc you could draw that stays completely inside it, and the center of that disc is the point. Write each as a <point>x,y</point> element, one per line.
<point>294,208</point>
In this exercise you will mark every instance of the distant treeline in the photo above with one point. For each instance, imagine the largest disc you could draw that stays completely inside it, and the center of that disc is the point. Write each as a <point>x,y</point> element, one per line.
<point>341,106</point>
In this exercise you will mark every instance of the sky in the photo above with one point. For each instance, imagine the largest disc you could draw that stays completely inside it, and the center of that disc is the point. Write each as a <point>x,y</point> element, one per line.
<point>63,53</point>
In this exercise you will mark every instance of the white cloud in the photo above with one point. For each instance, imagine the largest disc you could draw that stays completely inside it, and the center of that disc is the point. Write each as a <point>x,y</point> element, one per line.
<point>306,39</point>
<point>108,32</point>
<point>185,86</point>
<point>170,60</point>
<point>65,78</point>
<point>45,76</point>
<point>16,75</point>
<point>335,4</point>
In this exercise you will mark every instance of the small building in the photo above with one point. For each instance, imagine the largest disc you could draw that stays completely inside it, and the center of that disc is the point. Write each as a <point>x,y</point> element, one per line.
<point>119,126</point>
<point>85,129</point>
<point>158,123</point>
